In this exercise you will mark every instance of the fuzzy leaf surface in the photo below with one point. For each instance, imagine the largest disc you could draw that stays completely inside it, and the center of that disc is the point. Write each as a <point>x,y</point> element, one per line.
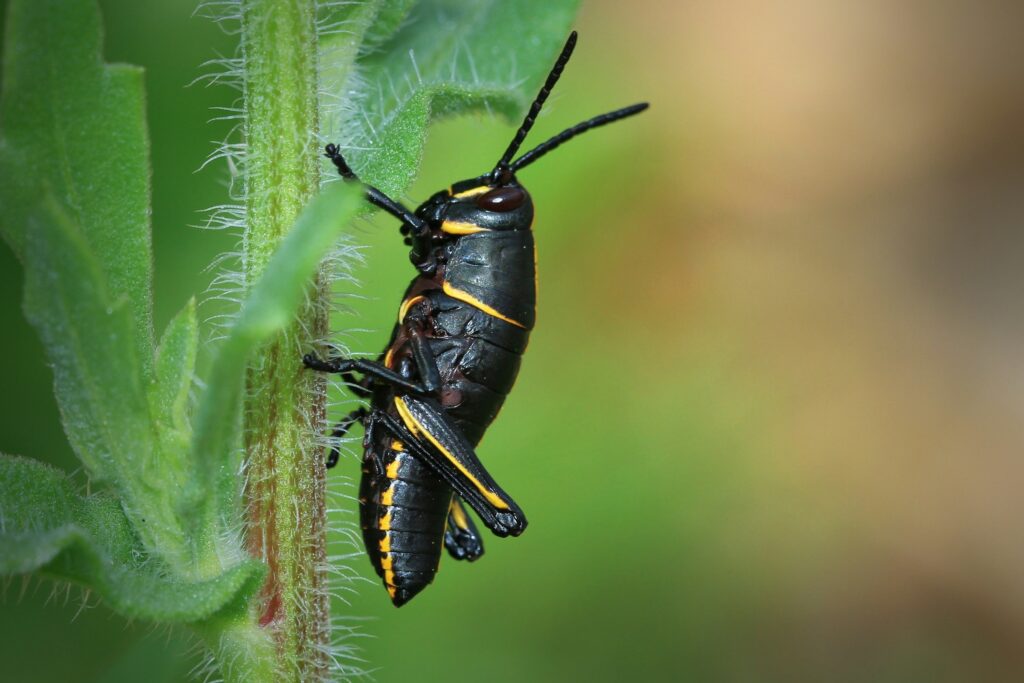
<point>74,127</point>
<point>355,26</point>
<point>88,339</point>
<point>169,394</point>
<point>47,527</point>
<point>445,58</point>
<point>99,383</point>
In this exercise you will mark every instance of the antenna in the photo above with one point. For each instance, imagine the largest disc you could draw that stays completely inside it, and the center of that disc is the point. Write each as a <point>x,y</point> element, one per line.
<point>569,133</point>
<point>531,116</point>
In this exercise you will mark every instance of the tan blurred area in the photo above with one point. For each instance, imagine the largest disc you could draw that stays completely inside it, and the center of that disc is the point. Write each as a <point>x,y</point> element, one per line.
<point>843,200</point>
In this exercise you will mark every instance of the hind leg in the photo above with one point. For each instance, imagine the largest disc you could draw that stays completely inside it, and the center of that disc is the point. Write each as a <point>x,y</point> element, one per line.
<point>460,535</point>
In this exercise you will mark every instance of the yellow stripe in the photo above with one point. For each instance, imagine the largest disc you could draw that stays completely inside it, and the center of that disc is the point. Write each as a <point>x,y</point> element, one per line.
<point>385,522</point>
<point>387,358</point>
<point>458,515</point>
<point>403,412</point>
<point>460,228</point>
<point>479,189</point>
<point>389,574</point>
<point>385,544</point>
<point>468,298</point>
<point>388,497</point>
<point>410,421</point>
<point>392,470</point>
<point>407,304</point>
<point>396,445</point>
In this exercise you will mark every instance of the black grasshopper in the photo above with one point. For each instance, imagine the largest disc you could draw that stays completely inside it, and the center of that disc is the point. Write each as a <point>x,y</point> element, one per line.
<point>453,356</point>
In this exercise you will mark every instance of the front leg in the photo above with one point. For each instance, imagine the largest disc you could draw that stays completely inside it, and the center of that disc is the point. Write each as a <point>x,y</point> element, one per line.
<point>410,221</point>
<point>415,229</point>
<point>382,374</point>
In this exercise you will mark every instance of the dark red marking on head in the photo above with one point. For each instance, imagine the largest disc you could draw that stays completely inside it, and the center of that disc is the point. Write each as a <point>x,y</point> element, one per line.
<point>502,199</point>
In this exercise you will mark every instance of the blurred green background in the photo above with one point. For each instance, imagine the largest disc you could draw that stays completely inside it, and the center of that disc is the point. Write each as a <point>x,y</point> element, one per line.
<point>769,426</point>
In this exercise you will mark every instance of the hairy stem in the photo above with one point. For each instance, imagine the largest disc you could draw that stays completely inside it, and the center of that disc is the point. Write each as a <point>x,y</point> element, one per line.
<point>285,406</point>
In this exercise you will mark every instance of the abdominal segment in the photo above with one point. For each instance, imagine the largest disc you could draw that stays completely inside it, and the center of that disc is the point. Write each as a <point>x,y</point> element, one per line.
<point>403,510</point>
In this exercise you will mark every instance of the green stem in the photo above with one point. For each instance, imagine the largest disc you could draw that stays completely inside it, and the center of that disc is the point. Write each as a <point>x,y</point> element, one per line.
<point>285,406</point>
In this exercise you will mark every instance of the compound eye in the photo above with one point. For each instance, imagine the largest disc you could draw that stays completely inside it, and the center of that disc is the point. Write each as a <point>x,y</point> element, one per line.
<point>502,199</point>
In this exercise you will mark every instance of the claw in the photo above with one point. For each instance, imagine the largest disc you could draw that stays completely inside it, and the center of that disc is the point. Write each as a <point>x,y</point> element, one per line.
<point>509,524</point>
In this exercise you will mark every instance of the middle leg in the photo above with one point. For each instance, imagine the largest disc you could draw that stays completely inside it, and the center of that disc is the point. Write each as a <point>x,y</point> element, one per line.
<point>343,366</point>
<point>340,430</point>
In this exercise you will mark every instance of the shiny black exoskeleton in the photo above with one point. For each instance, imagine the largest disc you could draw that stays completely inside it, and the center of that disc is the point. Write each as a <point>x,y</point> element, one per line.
<point>453,356</point>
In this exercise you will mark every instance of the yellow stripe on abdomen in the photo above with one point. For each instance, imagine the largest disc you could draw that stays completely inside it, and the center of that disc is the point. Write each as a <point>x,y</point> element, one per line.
<point>384,524</point>
<point>468,298</point>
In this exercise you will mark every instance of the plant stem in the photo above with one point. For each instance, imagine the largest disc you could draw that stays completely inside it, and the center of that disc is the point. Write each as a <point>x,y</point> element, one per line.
<point>285,406</point>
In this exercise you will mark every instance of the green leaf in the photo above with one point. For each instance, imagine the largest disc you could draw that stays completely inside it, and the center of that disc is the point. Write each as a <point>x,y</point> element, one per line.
<point>75,128</point>
<point>76,213</point>
<point>45,526</point>
<point>349,27</point>
<point>268,310</point>
<point>390,15</point>
<point>98,381</point>
<point>447,58</point>
<point>88,339</point>
<point>169,393</point>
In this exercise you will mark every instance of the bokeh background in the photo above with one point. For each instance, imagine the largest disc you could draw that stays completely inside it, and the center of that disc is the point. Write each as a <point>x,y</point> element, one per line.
<point>770,425</point>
